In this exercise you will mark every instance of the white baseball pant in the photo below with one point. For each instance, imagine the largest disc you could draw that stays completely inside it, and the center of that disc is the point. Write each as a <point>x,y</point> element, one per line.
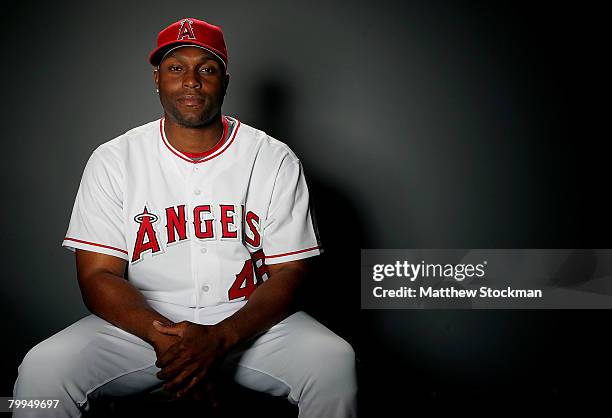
<point>298,358</point>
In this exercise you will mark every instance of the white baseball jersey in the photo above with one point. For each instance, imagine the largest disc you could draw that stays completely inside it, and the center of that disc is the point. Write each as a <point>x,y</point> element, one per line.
<point>196,230</point>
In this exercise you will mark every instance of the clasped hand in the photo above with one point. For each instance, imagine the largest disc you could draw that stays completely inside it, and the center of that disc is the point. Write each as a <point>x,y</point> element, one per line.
<point>187,363</point>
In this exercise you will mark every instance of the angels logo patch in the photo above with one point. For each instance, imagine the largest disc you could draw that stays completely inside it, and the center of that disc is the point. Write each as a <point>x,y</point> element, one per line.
<point>186,30</point>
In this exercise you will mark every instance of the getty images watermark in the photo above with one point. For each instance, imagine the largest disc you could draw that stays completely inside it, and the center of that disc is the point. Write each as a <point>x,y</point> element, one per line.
<point>457,272</point>
<point>486,279</point>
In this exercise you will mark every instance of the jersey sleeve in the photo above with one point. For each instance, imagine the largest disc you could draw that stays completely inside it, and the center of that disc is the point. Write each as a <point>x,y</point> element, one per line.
<point>97,222</point>
<point>289,231</point>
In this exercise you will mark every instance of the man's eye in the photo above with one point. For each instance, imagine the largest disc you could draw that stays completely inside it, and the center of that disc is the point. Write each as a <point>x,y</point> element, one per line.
<point>207,70</point>
<point>174,68</point>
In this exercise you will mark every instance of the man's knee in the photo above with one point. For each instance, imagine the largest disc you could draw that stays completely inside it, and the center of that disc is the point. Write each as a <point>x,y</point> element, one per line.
<point>332,365</point>
<point>41,371</point>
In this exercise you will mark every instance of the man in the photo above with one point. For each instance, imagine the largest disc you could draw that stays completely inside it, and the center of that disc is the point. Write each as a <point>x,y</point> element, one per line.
<point>191,235</point>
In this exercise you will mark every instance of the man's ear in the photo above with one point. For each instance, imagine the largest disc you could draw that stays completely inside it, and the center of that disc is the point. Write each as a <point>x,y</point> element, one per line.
<point>156,77</point>
<point>226,80</point>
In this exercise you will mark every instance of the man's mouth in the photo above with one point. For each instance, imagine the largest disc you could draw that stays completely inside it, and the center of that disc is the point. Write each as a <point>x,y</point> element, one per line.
<point>191,100</point>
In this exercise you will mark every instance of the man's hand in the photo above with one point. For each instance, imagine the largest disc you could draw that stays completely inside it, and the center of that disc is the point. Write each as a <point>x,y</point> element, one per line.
<point>162,342</point>
<point>186,363</point>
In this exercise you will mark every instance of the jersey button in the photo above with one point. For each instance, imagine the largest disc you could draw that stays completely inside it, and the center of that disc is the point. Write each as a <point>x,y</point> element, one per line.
<point>197,191</point>
<point>203,250</point>
<point>206,288</point>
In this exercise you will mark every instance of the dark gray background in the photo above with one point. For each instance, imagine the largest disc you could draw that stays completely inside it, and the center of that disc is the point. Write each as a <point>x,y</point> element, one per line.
<point>438,124</point>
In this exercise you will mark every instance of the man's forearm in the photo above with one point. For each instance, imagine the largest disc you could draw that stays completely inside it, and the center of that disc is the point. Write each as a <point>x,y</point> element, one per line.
<point>269,304</point>
<point>116,300</point>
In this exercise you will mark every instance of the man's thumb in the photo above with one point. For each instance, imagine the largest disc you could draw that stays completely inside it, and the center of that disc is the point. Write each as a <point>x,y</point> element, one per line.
<point>162,327</point>
<point>168,328</point>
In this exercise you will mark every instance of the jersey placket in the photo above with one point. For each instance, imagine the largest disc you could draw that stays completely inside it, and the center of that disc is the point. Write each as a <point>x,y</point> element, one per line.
<point>202,250</point>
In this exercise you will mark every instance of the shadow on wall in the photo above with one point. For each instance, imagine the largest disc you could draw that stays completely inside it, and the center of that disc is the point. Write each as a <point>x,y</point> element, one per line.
<point>332,292</point>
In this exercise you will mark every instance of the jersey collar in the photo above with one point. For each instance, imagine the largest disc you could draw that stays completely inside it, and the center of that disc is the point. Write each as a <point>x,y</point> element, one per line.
<point>223,144</point>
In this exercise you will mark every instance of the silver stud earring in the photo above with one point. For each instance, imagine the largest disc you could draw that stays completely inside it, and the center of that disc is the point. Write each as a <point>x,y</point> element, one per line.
<point>157,90</point>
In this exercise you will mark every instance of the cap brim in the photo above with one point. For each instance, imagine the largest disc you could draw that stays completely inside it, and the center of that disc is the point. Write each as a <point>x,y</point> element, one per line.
<point>160,52</point>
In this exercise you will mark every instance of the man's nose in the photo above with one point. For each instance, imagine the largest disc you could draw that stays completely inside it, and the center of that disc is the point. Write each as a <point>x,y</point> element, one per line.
<point>191,79</point>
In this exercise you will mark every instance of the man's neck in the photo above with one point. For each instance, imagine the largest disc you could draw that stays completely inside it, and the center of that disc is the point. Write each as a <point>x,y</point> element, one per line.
<point>193,140</point>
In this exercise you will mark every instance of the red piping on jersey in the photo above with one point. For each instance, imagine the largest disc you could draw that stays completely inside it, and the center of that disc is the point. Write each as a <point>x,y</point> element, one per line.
<point>293,252</point>
<point>221,144</point>
<point>97,245</point>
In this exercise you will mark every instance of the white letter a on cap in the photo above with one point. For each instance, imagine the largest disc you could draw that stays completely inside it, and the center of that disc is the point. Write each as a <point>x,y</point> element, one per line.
<point>186,31</point>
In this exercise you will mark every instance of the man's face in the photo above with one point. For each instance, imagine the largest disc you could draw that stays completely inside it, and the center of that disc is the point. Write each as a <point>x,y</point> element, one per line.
<point>192,86</point>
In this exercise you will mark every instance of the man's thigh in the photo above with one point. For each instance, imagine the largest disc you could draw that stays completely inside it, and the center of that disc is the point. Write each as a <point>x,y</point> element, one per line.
<point>284,360</point>
<point>89,357</point>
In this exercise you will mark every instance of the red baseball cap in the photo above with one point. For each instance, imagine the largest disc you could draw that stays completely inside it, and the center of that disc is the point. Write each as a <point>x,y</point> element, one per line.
<point>190,31</point>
